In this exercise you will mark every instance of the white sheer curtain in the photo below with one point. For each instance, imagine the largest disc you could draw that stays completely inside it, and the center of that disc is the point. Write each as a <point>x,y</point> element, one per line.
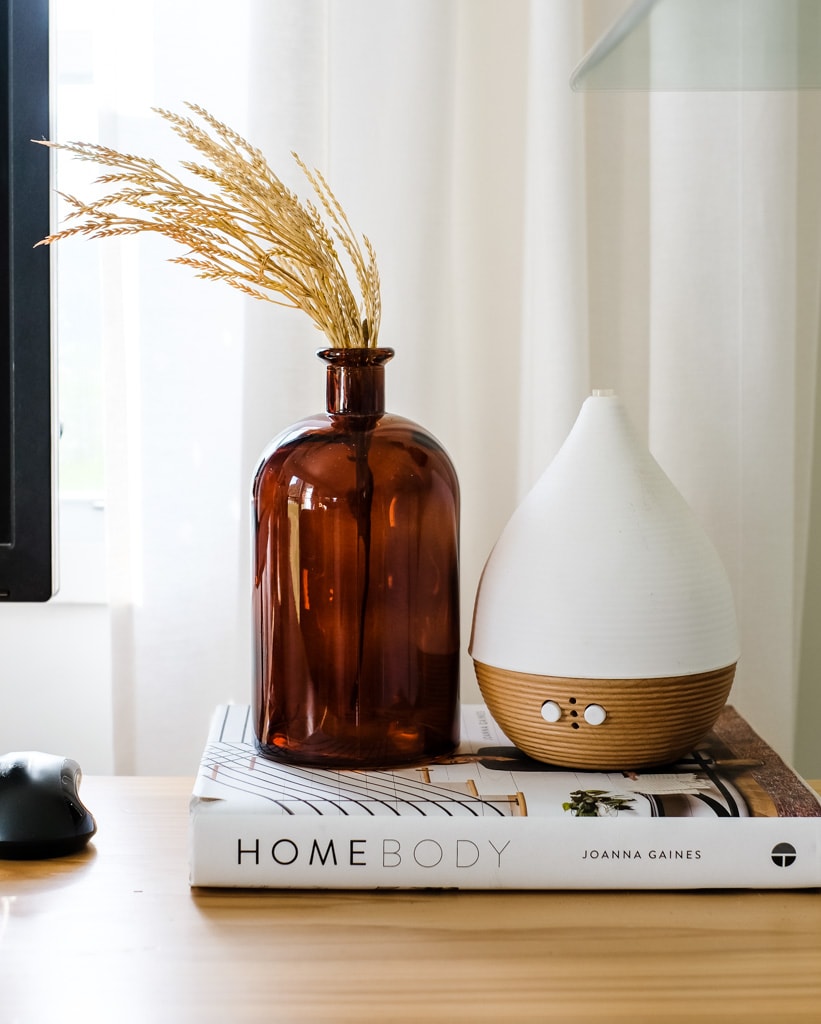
<point>734,352</point>
<point>532,242</point>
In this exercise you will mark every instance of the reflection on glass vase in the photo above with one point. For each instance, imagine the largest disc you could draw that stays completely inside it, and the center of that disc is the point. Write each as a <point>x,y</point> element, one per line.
<point>356,582</point>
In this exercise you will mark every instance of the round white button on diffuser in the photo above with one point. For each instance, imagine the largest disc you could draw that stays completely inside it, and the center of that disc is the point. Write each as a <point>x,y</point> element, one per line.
<point>594,714</point>
<point>551,712</point>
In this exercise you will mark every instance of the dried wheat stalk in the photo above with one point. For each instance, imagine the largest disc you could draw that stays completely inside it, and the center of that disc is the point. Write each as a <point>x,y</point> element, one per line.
<point>247,228</point>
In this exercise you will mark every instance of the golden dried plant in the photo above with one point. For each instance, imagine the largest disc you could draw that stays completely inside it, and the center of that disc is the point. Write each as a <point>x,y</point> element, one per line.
<point>246,228</point>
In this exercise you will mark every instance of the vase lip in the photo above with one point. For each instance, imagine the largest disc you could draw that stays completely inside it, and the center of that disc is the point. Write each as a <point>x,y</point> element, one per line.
<point>356,356</point>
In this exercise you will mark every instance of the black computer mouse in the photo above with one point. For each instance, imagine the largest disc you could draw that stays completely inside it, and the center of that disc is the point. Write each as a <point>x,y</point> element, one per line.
<point>41,814</point>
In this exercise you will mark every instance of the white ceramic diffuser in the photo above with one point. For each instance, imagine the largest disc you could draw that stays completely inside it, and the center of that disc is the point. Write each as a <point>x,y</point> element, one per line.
<point>604,632</point>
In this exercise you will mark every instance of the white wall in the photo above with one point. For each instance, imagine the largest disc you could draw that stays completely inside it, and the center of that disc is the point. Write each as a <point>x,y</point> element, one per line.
<point>55,658</point>
<point>55,693</point>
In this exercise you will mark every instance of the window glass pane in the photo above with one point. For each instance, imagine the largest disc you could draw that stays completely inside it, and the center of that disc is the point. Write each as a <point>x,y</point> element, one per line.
<point>77,261</point>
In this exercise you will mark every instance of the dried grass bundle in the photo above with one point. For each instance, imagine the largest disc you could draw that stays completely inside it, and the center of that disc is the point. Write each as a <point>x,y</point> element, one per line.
<point>247,229</point>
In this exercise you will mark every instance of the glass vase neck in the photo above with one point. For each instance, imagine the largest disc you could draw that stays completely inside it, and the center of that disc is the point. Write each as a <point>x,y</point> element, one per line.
<point>355,381</point>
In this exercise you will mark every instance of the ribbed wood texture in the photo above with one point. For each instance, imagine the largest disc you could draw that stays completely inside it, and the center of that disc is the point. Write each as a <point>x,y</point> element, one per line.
<point>649,721</point>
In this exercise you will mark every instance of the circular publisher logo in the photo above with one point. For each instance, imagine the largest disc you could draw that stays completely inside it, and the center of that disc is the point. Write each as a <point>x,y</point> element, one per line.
<point>783,855</point>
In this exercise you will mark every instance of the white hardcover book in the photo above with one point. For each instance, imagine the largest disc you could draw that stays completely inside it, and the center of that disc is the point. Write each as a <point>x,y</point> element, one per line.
<point>730,815</point>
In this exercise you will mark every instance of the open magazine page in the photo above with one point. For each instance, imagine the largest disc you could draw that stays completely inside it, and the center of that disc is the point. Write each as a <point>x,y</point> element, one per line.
<point>733,773</point>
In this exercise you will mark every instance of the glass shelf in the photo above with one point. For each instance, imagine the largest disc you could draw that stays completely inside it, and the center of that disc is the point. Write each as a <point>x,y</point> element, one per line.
<point>707,45</point>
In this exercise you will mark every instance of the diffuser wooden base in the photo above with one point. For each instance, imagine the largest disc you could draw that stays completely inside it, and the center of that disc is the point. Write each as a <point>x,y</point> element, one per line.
<point>648,721</point>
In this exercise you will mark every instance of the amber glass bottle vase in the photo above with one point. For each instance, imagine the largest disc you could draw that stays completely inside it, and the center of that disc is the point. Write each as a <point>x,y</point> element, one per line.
<point>356,582</point>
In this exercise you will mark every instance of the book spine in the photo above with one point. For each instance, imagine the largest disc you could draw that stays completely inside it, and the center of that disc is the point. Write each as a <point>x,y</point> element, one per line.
<point>236,849</point>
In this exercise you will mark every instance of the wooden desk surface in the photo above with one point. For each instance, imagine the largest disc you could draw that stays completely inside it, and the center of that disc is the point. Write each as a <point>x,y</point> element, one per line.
<point>116,935</point>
